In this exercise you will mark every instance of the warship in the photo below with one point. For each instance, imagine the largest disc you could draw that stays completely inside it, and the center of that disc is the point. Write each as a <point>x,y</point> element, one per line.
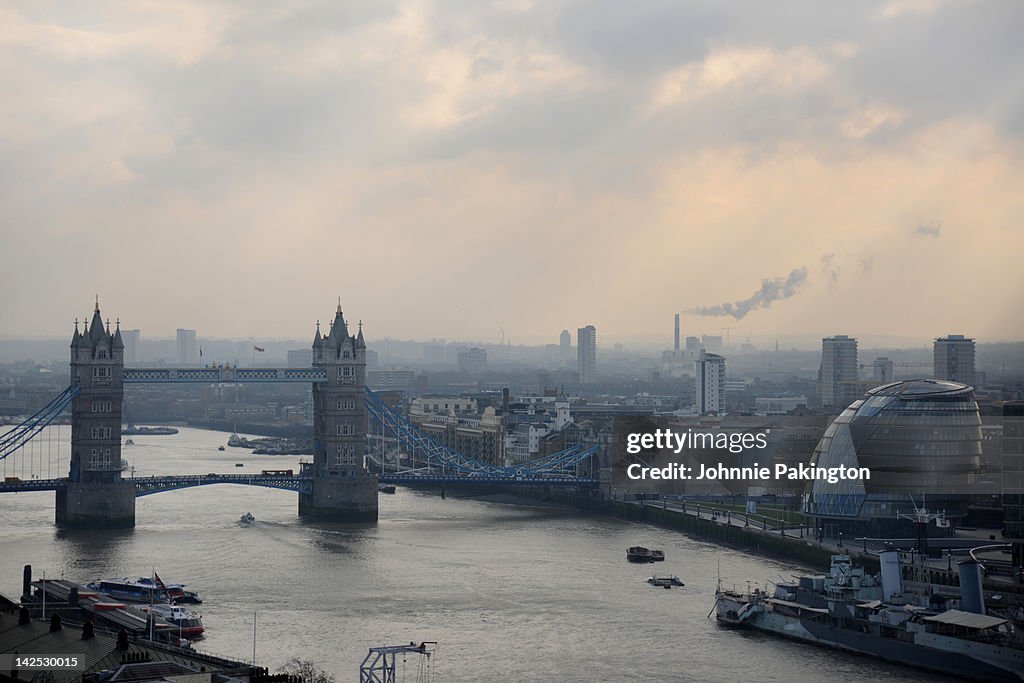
<point>873,615</point>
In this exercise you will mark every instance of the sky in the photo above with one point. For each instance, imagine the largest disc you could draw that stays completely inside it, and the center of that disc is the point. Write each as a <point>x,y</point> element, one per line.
<point>455,168</point>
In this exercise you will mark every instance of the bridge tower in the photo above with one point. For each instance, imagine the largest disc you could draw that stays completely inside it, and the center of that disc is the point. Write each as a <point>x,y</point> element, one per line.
<point>95,496</point>
<point>342,489</point>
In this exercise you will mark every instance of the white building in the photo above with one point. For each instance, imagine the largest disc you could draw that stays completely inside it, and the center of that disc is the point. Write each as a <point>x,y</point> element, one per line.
<point>838,374</point>
<point>586,353</point>
<point>710,383</point>
<point>188,350</point>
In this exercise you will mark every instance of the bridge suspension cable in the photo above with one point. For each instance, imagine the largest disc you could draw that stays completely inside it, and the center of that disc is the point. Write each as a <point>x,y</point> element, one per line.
<point>27,430</point>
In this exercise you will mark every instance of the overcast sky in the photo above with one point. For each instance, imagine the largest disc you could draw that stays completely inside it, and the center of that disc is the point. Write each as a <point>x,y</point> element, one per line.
<point>446,167</point>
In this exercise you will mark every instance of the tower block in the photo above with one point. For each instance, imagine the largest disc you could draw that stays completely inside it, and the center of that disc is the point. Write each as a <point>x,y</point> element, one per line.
<point>342,489</point>
<point>95,496</point>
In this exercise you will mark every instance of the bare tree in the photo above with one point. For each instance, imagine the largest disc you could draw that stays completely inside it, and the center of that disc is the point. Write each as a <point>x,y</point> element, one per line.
<point>306,671</point>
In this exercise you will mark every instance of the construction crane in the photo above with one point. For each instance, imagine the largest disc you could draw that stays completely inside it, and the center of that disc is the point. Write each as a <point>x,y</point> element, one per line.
<point>379,665</point>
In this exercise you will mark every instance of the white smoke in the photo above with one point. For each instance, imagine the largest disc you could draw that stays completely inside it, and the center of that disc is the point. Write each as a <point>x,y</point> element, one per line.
<point>772,289</point>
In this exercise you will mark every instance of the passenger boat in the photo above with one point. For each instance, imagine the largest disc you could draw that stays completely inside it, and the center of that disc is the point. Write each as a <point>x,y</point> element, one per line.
<point>145,589</point>
<point>657,556</point>
<point>134,590</point>
<point>188,622</point>
<point>665,581</point>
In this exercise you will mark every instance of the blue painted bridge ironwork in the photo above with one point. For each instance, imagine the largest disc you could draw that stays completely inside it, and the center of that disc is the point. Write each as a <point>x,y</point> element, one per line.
<point>145,486</point>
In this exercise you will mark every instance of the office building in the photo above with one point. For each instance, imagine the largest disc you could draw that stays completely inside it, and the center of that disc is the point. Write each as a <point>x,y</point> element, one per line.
<point>472,362</point>
<point>920,439</point>
<point>693,344</point>
<point>710,383</point>
<point>586,353</point>
<point>188,350</point>
<point>565,344</point>
<point>837,376</point>
<point>131,340</point>
<point>883,370</point>
<point>954,359</point>
<point>300,358</point>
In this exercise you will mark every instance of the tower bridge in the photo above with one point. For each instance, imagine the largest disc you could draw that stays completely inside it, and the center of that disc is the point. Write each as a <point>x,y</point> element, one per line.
<point>335,486</point>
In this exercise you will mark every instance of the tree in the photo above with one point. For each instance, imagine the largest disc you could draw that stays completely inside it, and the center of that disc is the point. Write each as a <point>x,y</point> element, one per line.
<point>306,671</point>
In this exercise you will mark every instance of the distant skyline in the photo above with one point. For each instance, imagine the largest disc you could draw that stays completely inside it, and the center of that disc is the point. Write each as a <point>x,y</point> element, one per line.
<point>452,169</point>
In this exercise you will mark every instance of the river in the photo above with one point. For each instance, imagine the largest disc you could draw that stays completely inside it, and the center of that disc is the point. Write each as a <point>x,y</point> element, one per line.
<point>510,592</point>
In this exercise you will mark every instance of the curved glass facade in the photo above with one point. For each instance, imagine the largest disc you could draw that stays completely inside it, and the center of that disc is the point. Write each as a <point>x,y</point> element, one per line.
<point>919,438</point>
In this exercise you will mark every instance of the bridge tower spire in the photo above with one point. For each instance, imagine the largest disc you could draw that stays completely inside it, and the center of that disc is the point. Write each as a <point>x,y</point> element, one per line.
<point>95,495</point>
<point>342,489</point>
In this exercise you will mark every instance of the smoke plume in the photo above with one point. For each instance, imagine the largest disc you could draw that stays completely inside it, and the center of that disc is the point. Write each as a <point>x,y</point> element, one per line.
<point>772,289</point>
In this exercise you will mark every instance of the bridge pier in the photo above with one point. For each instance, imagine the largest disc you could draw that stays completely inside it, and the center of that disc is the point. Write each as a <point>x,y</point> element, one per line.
<point>341,500</point>
<point>341,488</point>
<point>96,505</point>
<point>95,496</point>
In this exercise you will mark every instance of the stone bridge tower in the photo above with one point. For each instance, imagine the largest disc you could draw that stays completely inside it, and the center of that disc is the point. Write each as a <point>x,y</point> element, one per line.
<point>95,496</point>
<point>342,489</point>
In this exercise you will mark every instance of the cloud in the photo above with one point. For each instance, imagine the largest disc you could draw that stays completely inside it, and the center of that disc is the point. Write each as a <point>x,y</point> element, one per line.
<point>773,289</point>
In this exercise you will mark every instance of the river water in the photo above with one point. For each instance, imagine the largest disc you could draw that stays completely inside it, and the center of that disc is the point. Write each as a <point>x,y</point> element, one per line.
<point>510,592</point>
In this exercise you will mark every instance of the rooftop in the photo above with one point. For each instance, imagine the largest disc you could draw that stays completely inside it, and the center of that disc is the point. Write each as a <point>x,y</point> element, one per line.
<point>920,388</point>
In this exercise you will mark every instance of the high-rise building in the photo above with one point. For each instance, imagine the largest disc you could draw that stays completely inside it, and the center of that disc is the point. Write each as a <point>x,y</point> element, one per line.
<point>188,350</point>
<point>472,362</point>
<point>954,359</point>
<point>300,358</point>
<point>565,344</point>
<point>1013,481</point>
<point>586,353</point>
<point>131,345</point>
<point>838,373</point>
<point>693,344</point>
<point>883,370</point>
<point>710,383</point>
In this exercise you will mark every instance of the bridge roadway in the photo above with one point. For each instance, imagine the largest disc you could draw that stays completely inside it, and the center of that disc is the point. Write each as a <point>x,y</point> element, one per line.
<point>145,486</point>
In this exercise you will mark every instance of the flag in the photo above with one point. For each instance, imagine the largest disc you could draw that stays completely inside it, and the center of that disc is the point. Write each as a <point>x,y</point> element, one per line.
<point>256,348</point>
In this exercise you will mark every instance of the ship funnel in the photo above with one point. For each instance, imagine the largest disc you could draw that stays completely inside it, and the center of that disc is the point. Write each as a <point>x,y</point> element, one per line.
<point>892,576</point>
<point>972,598</point>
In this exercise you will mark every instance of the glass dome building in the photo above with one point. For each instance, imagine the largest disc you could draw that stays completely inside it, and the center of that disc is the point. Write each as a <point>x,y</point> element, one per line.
<point>920,439</point>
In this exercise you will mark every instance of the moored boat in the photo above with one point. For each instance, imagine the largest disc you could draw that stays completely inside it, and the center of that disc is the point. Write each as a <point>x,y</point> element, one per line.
<point>851,610</point>
<point>133,590</point>
<point>188,622</point>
